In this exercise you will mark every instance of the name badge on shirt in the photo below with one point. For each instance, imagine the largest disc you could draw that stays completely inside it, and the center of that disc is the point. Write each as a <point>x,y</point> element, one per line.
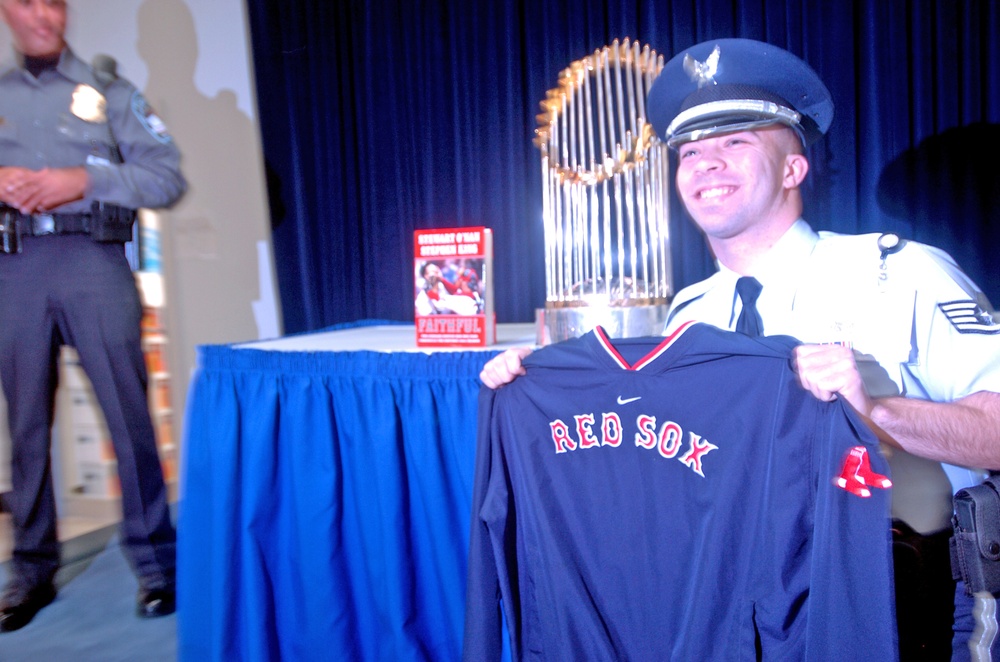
<point>89,104</point>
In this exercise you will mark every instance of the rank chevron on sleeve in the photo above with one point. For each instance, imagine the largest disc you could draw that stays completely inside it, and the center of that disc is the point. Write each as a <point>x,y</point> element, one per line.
<point>969,317</point>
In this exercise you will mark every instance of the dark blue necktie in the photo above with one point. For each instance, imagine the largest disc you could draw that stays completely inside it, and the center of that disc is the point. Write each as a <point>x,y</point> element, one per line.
<point>749,321</point>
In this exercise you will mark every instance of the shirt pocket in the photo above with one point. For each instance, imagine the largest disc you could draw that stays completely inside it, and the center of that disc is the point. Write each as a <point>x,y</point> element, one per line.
<point>84,140</point>
<point>884,340</point>
<point>886,325</point>
<point>876,322</point>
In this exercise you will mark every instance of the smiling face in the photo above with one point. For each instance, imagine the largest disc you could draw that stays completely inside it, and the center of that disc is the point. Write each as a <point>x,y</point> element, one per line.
<point>742,188</point>
<point>431,273</point>
<point>37,26</point>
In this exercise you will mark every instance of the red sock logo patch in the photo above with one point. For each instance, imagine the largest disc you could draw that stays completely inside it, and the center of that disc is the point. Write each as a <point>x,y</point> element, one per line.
<point>857,476</point>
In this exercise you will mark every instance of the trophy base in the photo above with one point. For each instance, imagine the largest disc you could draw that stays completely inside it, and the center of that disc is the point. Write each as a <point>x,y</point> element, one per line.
<point>556,324</point>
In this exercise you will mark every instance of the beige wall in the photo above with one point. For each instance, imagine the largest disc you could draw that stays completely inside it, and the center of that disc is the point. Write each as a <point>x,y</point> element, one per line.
<point>192,60</point>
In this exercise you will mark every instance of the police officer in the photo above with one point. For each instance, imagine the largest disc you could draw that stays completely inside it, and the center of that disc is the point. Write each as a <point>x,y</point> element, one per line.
<point>894,327</point>
<point>79,152</point>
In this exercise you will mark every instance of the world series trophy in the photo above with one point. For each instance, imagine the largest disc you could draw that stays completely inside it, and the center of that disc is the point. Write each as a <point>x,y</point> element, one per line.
<point>605,179</point>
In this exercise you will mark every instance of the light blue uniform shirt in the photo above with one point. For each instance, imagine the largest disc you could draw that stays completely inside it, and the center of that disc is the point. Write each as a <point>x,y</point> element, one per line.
<point>918,325</point>
<point>67,118</point>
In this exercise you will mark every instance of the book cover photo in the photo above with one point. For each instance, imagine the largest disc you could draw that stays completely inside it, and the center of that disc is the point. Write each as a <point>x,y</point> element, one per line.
<point>453,289</point>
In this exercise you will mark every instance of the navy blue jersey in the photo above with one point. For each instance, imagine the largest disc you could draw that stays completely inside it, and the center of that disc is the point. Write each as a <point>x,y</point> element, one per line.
<point>676,498</point>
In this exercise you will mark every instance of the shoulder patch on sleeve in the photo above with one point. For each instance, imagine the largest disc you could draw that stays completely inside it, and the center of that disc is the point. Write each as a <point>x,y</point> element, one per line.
<point>967,316</point>
<point>149,119</point>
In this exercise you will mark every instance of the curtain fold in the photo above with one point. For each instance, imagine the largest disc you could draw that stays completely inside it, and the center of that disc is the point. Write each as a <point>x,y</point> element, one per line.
<point>381,116</point>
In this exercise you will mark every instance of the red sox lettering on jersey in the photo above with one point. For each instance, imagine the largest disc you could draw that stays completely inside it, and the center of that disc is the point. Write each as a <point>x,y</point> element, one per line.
<point>668,440</point>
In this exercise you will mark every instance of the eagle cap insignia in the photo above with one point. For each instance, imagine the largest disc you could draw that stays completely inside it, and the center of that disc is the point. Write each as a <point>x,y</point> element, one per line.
<point>703,73</point>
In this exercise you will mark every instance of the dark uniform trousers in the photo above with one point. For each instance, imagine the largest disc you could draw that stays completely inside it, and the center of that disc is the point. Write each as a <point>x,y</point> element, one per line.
<point>69,289</point>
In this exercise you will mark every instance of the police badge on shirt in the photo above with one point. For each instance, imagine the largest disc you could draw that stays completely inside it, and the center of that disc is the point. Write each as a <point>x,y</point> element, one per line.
<point>149,119</point>
<point>89,105</point>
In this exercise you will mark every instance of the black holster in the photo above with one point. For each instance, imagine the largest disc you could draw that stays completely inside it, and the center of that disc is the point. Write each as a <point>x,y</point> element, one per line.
<point>975,547</point>
<point>111,223</point>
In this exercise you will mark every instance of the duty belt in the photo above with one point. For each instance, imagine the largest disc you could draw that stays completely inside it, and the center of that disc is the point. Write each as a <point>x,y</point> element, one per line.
<point>42,224</point>
<point>104,223</point>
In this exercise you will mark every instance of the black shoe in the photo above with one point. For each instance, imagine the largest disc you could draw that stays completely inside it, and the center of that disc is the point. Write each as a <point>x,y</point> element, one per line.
<point>18,605</point>
<point>156,602</point>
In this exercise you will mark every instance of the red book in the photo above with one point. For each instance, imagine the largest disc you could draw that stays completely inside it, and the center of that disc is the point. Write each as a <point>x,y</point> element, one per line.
<point>453,287</point>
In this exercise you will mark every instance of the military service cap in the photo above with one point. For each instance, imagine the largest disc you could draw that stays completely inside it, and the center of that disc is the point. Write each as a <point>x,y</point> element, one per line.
<point>727,85</point>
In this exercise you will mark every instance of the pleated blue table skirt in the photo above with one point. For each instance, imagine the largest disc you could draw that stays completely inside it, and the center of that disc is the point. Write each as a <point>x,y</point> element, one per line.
<point>325,505</point>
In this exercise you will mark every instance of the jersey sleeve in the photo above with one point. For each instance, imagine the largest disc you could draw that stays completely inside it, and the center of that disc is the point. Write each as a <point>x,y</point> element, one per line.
<point>483,637</point>
<point>149,174</point>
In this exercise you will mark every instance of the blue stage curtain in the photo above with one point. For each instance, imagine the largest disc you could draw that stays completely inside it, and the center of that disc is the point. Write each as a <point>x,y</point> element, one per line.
<point>383,116</point>
<point>326,505</point>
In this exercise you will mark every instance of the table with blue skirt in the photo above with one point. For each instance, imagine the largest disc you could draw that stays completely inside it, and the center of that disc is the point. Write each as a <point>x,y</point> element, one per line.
<point>326,495</point>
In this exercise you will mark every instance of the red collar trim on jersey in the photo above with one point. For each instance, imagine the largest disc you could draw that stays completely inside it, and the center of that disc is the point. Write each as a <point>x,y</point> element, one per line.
<point>602,338</point>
